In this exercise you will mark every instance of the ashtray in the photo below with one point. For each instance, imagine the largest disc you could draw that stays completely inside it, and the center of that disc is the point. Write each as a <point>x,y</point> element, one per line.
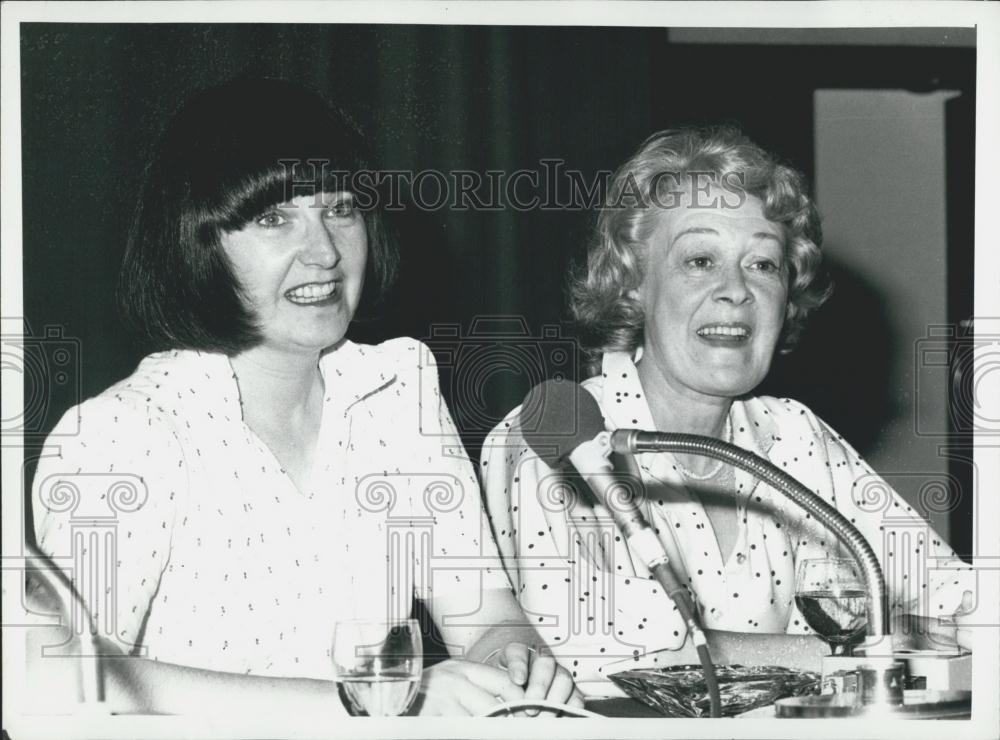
<point>680,691</point>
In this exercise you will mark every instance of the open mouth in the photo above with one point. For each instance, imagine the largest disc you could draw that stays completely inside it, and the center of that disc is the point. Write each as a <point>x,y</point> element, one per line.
<point>725,333</point>
<point>314,293</point>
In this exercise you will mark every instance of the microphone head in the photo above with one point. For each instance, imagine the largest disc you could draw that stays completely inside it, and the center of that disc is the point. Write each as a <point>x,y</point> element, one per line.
<point>558,416</point>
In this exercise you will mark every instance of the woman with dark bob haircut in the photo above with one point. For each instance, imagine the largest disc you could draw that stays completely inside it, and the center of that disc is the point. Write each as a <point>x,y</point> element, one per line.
<point>225,158</point>
<point>272,463</point>
<point>706,260</point>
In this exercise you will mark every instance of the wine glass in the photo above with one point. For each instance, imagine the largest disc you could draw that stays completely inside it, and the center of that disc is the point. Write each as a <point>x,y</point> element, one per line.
<point>832,597</point>
<point>377,666</point>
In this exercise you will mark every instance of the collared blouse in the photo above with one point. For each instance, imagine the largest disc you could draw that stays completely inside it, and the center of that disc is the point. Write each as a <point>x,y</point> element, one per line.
<point>593,598</point>
<point>192,545</point>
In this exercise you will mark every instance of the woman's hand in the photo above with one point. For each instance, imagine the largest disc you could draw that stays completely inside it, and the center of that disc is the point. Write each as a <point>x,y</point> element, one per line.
<point>463,687</point>
<point>541,675</point>
<point>501,641</point>
<point>930,633</point>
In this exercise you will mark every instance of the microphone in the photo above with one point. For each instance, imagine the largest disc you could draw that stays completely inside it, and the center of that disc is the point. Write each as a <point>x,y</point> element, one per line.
<point>636,441</point>
<point>562,423</point>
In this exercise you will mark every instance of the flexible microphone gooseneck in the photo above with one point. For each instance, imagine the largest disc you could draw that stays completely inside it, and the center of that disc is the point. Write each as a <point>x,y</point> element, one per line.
<point>633,441</point>
<point>563,424</point>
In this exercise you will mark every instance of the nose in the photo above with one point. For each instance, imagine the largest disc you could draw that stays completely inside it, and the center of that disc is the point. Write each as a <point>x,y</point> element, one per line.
<point>320,246</point>
<point>732,287</point>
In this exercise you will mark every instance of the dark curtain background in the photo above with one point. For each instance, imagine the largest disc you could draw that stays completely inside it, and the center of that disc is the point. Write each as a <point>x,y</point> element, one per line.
<point>94,98</point>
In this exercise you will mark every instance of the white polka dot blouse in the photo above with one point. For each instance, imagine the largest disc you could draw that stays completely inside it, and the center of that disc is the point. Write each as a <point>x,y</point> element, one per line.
<point>593,599</point>
<point>191,544</point>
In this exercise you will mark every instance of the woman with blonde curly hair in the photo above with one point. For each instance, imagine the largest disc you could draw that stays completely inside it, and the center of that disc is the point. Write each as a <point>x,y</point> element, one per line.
<point>706,261</point>
<point>607,312</point>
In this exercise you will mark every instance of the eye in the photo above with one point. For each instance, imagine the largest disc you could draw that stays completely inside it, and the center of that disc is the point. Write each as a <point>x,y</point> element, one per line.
<point>701,262</point>
<point>342,208</point>
<point>766,265</point>
<point>270,219</point>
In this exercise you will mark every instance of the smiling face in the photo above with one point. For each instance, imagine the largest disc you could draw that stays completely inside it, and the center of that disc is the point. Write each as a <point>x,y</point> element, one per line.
<point>713,294</point>
<point>301,265</point>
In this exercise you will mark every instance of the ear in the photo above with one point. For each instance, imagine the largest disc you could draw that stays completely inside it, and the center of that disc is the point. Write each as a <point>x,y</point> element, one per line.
<point>634,294</point>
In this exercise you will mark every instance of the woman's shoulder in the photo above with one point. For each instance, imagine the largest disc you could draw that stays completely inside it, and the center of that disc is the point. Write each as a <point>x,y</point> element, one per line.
<point>399,353</point>
<point>788,417</point>
<point>396,371</point>
<point>779,407</point>
<point>120,431</point>
<point>161,384</point>
<point>780,410</point>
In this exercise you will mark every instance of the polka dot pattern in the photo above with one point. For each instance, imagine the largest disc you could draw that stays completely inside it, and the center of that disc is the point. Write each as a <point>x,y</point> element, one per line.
<point>569,562</point>
<point>227,565</point>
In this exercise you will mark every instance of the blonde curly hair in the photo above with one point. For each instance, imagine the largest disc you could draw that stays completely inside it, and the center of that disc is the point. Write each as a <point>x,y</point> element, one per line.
<point>607,318</point>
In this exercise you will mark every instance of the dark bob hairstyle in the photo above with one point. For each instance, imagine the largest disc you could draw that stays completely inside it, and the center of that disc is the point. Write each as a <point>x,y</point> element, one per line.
<point>609,319</point>
<point>229,154</point>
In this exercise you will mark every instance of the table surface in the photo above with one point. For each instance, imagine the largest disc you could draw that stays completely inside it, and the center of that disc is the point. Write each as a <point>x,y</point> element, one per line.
<point>620,707</point>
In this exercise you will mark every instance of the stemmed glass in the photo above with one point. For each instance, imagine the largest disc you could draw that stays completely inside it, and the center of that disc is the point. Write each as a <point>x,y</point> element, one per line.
<point>832,596</point>
<point>377,666</point>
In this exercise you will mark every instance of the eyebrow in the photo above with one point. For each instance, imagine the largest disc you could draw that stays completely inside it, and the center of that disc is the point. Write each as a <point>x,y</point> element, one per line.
<point>709,230</point>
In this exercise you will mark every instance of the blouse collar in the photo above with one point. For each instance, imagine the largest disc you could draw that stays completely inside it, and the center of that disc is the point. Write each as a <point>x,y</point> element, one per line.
<point>624,406</point>
<point>351,372</point>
